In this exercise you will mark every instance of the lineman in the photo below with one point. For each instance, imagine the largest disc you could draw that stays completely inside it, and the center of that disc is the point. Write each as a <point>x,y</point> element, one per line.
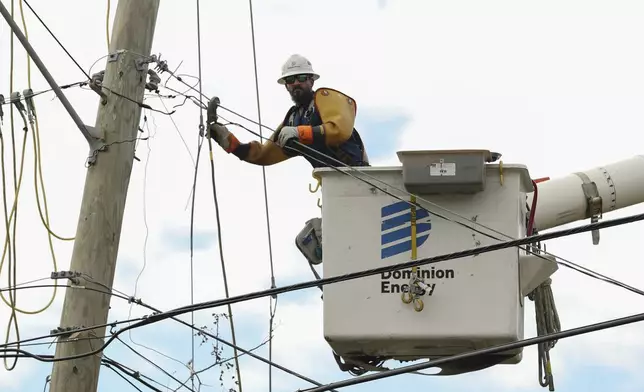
<point>322,120</point>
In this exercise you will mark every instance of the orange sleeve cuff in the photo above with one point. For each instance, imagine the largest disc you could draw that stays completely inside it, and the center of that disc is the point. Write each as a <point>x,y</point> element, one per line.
<point>305,133</point>
<point>234,143</point>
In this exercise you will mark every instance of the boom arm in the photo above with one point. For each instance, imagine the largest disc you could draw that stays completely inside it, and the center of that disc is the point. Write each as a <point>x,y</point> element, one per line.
<point>589,194</point>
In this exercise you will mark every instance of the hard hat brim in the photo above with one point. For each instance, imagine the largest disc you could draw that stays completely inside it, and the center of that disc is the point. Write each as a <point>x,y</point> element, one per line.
<point>286,75</point>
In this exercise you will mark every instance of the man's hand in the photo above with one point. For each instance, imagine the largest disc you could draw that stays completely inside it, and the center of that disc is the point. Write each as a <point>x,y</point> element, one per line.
<point>286,134</point>
<point>222,136</point>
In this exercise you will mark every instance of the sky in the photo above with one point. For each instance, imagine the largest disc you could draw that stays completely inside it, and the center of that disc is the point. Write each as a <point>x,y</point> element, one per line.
<point>556,86</point>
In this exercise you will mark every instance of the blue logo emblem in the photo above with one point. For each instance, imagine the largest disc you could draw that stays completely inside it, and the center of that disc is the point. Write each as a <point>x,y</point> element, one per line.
<point>396,228</point>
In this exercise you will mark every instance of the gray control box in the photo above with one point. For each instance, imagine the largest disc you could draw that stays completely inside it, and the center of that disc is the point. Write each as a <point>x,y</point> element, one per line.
<point>444,171</point>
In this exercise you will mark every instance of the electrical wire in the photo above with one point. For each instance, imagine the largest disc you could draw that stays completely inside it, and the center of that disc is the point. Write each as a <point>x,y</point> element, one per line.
<point>152,363</point>
<point>160,316</point>
<point>136,375</point>
<point>192,208</point>
<point>40,92</point>
<point>38,175</point>
<point>404,265</point>
<point>217,338</point>
<point>140,104</point>
<point>124,378</point>
<point>114,335</point>
<point>145,223</point>
<point>107,24</point>
<point>217,216</point>
<point>268,224</point>
<point>418,204</point>
<point>539,254</point>
<point>11,245</point>
<point>54,36</point>
<point>490,350</point>
<point>12,317</point>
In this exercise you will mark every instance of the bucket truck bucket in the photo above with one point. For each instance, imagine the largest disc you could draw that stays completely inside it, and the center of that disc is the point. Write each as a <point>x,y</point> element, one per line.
<point>439,309</point>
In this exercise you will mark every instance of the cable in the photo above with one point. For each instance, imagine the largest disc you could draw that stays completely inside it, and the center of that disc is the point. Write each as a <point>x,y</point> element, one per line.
<point>214,191</point>
<point>533,209</point>
<point>192,208</point>
<point>145,222</point>
<point>107,24</point>
<point>142,105</point>
<point>183,140</point>
<point>268,224</point>
<point>138,376</point>
<point>123,377</point>
<point>152,363</point>
<point>404,265</point>
<point>157,317</point>
<point>62,333</point>
<point>23,98</point>
<point>34,125</point>
<point>130,373</point>
<point>54,36</point>
<point>11,245</point>
<point>50,358</point>
<point>561,260</point>
<point>578,267</point>
<point>490,350</point>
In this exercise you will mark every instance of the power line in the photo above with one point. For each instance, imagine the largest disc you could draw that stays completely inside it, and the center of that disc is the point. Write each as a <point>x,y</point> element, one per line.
<point>56,39</point>
<point>561,260</point>
<point>160,316</point>
<point>152,363</point>
<point>217,216</point>
<point>137,375</point>
<point>268,222</point>
<point>50,358</point>
<point>192,209</point>
<point>393,267</point>
<point>490,350</point>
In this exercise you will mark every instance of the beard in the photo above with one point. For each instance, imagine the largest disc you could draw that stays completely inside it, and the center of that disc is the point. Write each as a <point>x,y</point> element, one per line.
<point>300,96</point>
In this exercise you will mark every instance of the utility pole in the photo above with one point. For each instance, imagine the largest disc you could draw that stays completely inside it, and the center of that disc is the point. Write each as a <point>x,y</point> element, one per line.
<point>106,184</point>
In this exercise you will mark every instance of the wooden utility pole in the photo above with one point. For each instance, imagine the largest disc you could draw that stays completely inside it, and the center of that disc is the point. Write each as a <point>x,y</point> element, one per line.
<point>106,184</point>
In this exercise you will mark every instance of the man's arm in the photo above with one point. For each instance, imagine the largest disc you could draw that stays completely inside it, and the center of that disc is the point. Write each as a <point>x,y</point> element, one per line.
<point>338,114</point>
<point>254,152</point>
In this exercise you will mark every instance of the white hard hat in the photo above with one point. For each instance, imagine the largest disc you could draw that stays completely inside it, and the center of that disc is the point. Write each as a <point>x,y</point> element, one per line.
<point>297,65</point>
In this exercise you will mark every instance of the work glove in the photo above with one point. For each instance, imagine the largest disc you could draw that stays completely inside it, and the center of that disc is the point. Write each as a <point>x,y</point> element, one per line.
<point>286,134</point>
<point>220,134</point>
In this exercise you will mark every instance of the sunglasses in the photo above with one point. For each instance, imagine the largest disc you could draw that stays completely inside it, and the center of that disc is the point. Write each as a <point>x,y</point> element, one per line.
<point>299,78</point>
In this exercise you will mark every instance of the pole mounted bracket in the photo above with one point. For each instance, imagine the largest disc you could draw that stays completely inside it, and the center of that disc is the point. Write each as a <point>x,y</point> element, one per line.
<point>141,62</point>
<point>73,276</point>
<point>96,144</point>
<point>593,203</point>
<point>96,84</point>
<point>63,333</point>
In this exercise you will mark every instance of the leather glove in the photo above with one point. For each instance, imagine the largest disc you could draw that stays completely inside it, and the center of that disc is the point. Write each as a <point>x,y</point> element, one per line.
<point>221,134</point>
<point>286,134</point>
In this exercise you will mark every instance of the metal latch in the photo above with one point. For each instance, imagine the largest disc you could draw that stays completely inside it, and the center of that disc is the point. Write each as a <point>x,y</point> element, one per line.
<point>593,203</point>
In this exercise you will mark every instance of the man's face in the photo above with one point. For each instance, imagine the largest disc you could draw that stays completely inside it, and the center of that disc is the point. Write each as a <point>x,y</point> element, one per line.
<point>301,88</point>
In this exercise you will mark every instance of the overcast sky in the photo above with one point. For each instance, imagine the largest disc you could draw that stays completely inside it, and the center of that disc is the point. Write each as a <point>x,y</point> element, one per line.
<point>554,85</point>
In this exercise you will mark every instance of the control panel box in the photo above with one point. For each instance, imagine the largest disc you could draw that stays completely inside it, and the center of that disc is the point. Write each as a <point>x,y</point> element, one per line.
<point>452,171</point>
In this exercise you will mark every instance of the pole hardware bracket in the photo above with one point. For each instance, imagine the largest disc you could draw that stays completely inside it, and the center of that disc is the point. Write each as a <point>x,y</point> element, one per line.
<point>593,203</point>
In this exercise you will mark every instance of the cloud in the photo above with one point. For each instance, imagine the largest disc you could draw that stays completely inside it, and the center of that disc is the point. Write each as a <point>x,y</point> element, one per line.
<point>381,130</point>
<point>176,239</point>
<point>426,76</point>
